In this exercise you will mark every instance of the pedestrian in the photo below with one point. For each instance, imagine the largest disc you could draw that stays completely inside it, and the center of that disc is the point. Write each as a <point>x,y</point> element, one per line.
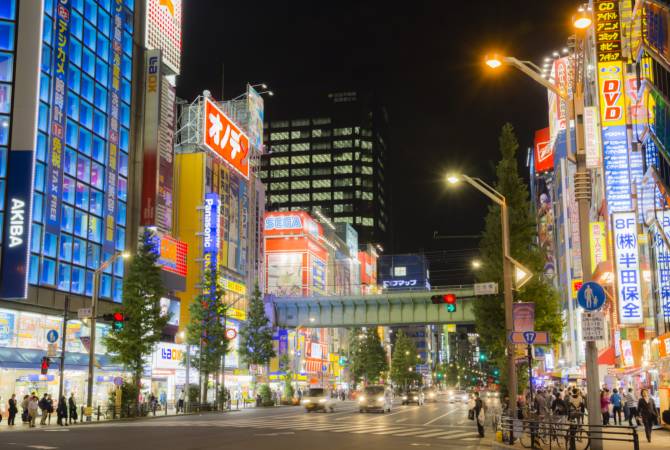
<point>615,400</point>
<point>479,414</point>
<point>558,406</point>
<point>576,406</point>
<point>646,408</point>
<point>605,406</point>
<point>61,411</point>
<point>540,404</point>
<point>163,400</point>
<point>43,405</point>
<point>180,402</point>
<point>12,410</point>
<point>25,417</point>
<point>631,404</point>
<point>33,406</point>
<point>50,409</point>
<point>72,407</point>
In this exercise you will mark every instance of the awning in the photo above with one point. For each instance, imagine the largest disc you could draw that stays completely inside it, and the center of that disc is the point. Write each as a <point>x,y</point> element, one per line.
<point>607,357</point>
<point>21,358</point>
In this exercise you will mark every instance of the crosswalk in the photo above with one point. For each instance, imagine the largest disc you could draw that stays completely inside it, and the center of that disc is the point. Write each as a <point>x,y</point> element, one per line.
<point>306,423</point>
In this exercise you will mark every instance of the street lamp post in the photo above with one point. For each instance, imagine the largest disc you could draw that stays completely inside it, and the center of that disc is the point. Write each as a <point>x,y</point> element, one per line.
<point>500,200</point>
<point>92,322</point>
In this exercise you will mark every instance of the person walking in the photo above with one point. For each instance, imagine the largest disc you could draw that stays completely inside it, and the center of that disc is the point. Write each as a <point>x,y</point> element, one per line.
<point>33,406</point>
<point>631,404</point>
<point>13,409</point>
<point>180,402</point>
<point>50,409</point>
<point>479,414</point>
<point>576,406</point>
<point>61,411</point>
<point>72,406</point>
<point>605,406</point>
<point>615,400</point>
<point>646,408</point>
<point>24,407</point>
<point>43,405</point>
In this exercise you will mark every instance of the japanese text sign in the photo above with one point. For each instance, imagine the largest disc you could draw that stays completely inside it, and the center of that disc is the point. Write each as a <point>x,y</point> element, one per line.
<point>607,30</point>
<point>629,289</point>
<point>662,254</point>
<point>593,326</point>
<point>226,139</point>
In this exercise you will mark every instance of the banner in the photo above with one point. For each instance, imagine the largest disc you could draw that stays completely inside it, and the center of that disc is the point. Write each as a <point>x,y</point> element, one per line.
<point>627,259</point>
<point>256,117</point>
<point>597,236</point>
<point>591,138</point>
<point>225,139</point>
<point>544,151</point>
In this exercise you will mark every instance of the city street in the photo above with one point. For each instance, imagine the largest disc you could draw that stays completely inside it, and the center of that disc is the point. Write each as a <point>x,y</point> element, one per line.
<point>435,425</point>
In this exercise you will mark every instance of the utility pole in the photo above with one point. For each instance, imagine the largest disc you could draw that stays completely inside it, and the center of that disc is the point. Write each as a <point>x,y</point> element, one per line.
<point>62,347</point>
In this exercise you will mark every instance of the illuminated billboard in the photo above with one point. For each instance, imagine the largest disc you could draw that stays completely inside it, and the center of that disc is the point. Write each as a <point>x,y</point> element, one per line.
<point>163,30</point>
<point>172,257</point>
<point>627,268</point>
<point>544,151</point>
<point>225,139</point>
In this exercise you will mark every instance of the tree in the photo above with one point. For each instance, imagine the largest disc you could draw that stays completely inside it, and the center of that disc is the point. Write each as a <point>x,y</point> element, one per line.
<point>490,311</point>
<point>403,361</point>
<point>142,291</point>
<point>207,329</point>
<point>368,356</point>
<point>256,335</point>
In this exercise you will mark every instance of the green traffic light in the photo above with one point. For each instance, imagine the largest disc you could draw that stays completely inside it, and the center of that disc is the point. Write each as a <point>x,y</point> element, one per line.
<point>451,308</point>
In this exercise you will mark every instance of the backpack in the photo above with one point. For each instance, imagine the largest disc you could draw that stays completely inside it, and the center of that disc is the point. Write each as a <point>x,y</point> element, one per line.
<point>559,407</point>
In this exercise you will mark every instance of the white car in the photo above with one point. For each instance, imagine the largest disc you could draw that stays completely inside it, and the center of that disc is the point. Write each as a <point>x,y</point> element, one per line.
<point>458,396</point>
<point>375,398</point>
<point>318,399</point>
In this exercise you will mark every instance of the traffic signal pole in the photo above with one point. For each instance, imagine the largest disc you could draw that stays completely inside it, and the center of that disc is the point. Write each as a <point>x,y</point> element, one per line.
<point>62,347</point>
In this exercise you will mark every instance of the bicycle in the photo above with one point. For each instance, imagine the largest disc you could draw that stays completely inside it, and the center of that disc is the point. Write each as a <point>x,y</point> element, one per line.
<point>536,433</point>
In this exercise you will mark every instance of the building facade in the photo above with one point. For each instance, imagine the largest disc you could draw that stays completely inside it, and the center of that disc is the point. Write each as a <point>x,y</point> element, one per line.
<point>334,157</point>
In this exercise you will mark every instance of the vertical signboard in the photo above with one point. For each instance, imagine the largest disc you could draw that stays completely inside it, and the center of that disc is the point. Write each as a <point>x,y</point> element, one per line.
<point>58,114</point>
<point>662,255</point>
<point>166,130</point>
<point>592,142</point>
<point>113,129</point>
<point>597,235</point>
<point>608,31</point>
<point>210,240</point>
<point>544,151</point>
<point>152,81</point>
<point>629,291</point>
<point>225,139</point>
<point>256,117</point>
<point>163,30</point>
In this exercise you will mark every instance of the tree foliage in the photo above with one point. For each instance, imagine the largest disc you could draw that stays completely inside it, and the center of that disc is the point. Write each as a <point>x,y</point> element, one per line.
<point>404,361</point>
<point>142,291</point>
<point>367,356</point>
<point>207,329</point>
<point>256,334</point>
<point>490,311</point>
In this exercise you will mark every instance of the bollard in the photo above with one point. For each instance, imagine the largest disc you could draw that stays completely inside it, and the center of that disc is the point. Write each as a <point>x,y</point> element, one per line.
<point>99,412</point>
<point>636,440</point>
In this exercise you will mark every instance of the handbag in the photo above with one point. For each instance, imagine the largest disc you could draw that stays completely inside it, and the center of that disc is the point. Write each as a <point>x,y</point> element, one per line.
<point>471,414</point>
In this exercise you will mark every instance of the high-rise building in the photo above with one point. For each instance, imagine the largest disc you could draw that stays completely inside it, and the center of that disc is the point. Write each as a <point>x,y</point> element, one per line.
<point>334,157</point>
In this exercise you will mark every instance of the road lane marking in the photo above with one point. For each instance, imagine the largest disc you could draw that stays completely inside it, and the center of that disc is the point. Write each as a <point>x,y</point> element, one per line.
<point>401,420</point>
<point>404,410</point>
<point>439,433</point>
<point>439,417</point>
<point>41,447</point>
<point>396,430</point>
<point>459,435</point>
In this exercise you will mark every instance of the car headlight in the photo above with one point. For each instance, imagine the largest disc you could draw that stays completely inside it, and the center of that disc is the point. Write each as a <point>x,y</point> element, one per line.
<point>404,397</point>
<point>361,398</point>
<point>431,395</point>
<point>416,398</point>
<point>322,400</point>
<point>380,399</point>
<point>305,402</point>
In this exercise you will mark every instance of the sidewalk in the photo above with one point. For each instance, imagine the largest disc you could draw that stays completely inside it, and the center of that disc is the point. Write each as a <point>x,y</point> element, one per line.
<point>660,440</point>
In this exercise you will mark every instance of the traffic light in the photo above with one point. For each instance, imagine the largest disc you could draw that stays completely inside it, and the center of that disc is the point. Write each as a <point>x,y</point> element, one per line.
<point>436,299</point>
<point>450,300</point>
<point>117,321</point>
<point>482,356</point>
<point>45,365</point>
<point>496,372</point>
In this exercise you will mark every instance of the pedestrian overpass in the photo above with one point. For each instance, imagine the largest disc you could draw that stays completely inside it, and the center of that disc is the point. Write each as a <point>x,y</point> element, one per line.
<point>392,308</point>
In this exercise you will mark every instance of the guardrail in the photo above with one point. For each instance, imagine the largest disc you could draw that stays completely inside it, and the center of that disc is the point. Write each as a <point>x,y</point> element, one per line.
<point>559,432</point>
<point>132,410</point>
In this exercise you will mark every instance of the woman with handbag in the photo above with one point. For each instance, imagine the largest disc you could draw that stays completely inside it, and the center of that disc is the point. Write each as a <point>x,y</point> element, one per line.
<point>646,408</point>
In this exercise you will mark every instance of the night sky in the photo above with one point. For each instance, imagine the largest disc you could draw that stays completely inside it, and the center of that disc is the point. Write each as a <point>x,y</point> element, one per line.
<point>424,58</point>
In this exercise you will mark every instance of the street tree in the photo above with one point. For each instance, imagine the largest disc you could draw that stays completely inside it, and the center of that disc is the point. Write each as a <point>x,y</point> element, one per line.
<point>490,310</point>
<point>207,329</point>
<point>404,361</point>
<point>368,358</point>
<point>256,334</point>
<point>142,292</point>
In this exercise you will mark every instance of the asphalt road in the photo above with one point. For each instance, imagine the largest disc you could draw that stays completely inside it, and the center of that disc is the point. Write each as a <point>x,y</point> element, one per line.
<point>436,425</point>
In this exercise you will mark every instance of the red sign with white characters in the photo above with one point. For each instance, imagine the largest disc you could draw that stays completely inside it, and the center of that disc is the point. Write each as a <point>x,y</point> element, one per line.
<point>544,152</point>
<point>226,139</point>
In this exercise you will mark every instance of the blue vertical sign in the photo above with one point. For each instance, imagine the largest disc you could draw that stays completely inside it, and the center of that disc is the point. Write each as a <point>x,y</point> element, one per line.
<point>113,130</point>
<point>627,268</point>
<point>662,254</point>
<point>211,232</point>
<point>59,70</point>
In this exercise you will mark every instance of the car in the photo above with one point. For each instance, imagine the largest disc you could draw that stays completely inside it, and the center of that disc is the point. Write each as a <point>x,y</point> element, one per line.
<point>458,396</point>
<point>489,395</point>
<point>375,398</point>
<point>413,396</point>
<point>318,399</point>
<point>430,395</point>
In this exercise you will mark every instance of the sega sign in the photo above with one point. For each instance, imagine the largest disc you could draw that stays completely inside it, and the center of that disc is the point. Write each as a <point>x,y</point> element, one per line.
<point>283,223</point>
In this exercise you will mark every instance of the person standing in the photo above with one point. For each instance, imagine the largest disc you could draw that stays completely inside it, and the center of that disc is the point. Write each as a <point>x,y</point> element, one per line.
<point>647,410</point>
<point>25,417</point>
<point>50,409</point>
<point>61,411</point>
<point>33,406</point>
<point>13,409</point>
<point>615,400</point>
<point>43,405</point>
<point>180,402</point>
<point>631,404</point>
<point>72,406</point>
<point>479,414</point>
<point>605,406</point>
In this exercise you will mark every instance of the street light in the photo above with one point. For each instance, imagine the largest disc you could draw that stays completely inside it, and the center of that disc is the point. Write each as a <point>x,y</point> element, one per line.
<point>94,312</point>
<point>582,20</point>
<point>507,261</point>
<point>476,264</point>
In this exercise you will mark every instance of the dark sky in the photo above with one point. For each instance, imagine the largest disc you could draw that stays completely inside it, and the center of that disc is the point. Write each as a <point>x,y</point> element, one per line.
<point>424,58</point>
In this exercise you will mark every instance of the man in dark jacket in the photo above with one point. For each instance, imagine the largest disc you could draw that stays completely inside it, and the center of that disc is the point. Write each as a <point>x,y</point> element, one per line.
<point>479,407</point>
<point>44,407</point>
<point>13,409</point>
<point>72,406</point>
<point>61,411</point>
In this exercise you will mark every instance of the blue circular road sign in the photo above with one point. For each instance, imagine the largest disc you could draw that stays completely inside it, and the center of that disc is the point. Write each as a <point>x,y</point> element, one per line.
<point>591,296</point>
<point>52,336</point>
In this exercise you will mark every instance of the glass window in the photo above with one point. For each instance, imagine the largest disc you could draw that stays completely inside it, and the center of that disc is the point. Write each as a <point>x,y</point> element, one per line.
<point>67,218</point>
<point>125,115</point>
<point>83,168</point>
<point>304,184</point>
<point>93,253</point>
<point>120,239</point>
<point>124,139</point>
<point>39,177</point>
<point>4,130</point>
<point>97,175</point>
<point>8,9</point>
<point>103,22</point>
<point>120,213</point>
<point>48,272</point>
<point>3,161</point>
<point>300,197</point>
<point>72,106</point>
<point>101,70</point>
<point>302,159</point>
<point>88,62</point>
<point>127,44</point>
<point>91,11</point>
<point>96,202</point>
<point>2,195</point>
<point>98,149</point>
<point>75,53</point>
<point>123,164</point>
<point>41,147</point>
<point>89,36</point>
<point>64,277</point>
<point>81,196</point>
<point>34,269</point>
<point>80,223</point>
<point>125,91</point>
<point>86,115</point>
<point>77,285</point>
<point>35,238</point>
<point>100,123</point>
<point>46,61</point>
<point>6,36</point>
<point>79,252</point>
<point>70,162</point>
<point>74,81</point>
<point>126,67</point>
<point>100,97</point>
<point>65,247</point>
<point>87,88</point>
<point>122,193</point>
<point>85,137</point>
<point>77,25</point>
<point>105,286</point>
<point>68,190</point>
<point>118,290</point>
<point>42,117</point>
<point>72,134</point>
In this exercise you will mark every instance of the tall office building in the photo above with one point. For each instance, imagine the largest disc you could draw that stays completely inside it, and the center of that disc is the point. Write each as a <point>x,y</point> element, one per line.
<point>332,156</point>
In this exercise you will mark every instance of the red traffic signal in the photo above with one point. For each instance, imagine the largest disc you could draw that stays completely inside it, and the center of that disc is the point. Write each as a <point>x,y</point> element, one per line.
<point>118,317</point>
<point>450,299</point>
<point>44,365</point>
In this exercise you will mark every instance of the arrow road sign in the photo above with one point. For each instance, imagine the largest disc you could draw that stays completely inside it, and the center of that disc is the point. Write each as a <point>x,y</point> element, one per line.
<point>529,337</point>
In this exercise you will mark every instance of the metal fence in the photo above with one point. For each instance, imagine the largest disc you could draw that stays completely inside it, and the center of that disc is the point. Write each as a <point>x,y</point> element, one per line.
<point>558,432</point>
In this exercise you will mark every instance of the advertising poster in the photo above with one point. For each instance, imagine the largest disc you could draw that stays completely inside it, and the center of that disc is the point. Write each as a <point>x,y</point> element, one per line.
<point>163,24</point>
<point>224,192</point>
<point>285,274</point>
<point>225,139</point>
<point>318,276</point>
<point>152,85</point>
<point>170,307</point>
<point>232,358</point>
<point>72,340</point>
<point>545,220</point>
<point>164,200</point>
<point>598,235</point>
<point>544,151</point>
<point>256,117</point>
<point>662,255</point>
<point>7,321</point>
<point>31,332</point>
<point>524,316</point>
<point>234,223</point>
<point>244,227</point>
